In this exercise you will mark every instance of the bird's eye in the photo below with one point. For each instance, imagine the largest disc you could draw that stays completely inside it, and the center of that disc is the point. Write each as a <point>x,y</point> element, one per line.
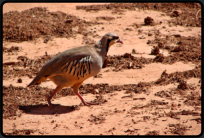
<point>115,37</point>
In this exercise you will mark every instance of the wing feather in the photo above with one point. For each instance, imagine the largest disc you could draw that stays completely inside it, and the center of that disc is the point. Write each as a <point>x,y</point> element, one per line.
<point>52,67</point>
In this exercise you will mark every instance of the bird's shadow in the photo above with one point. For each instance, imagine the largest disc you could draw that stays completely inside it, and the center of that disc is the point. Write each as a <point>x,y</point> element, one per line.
<point>44,109</point>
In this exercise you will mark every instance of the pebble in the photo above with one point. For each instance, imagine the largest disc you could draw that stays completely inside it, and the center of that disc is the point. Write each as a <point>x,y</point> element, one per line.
<point>96,91</point>
<point>174,104</point>
<point>133,51</point>
<point>19,80</point>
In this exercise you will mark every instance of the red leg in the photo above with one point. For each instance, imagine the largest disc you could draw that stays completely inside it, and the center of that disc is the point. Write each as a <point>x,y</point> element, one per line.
<point>55,91</point>
<point>76,91</point>
<point>83,100</point>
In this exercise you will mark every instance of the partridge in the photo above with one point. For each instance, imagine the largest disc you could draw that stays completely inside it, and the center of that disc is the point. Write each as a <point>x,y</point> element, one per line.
<point>73,66</point>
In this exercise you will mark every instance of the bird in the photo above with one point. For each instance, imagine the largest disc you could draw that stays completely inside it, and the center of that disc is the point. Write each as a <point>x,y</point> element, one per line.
<point>72,67</point>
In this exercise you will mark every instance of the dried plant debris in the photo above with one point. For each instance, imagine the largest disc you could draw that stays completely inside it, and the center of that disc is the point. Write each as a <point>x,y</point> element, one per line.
<point>149,21</point>
<point>34,65</point>
<point>151,104</point>
<point>13,97</point>
<point>98,119</point>
<point>107,18</point>
<point>39,22</point>
<point>155,50</point>
<point>126,61</point>
<point>193,100</point>
<point>11,49</point>
<point>178,129</point>
<point>178,76</point>
<point>175,14</point>
<point>187,49</point>
<point>31,97</point>
<point>198,120</point>
<point>183,85</point>
<point>154,132</point>
<point>173,115</point>
<point>21,132</point>
<point>159,58</point>
<point>189,15</point>
<point>163,94</point>
<point>100,99</point>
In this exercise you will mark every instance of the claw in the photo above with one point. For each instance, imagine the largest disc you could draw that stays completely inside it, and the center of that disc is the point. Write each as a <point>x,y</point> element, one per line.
<point>89,103</point>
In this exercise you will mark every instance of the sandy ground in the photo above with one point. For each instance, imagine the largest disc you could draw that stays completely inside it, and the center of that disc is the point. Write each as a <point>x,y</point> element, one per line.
<point>117,116</point>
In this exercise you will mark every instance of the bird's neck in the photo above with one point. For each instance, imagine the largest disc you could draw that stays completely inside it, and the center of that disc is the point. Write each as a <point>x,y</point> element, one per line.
<point>101,49</point>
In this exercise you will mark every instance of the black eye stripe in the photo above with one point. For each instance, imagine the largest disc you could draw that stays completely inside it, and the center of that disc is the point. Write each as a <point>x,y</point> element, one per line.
<point>109,39</point>
<point>113,38</point>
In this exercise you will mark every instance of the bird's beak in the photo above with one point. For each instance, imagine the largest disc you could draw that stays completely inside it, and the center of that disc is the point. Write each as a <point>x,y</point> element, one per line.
<point>119,41</point>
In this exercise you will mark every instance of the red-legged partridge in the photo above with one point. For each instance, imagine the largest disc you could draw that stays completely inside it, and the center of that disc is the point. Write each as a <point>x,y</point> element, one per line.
<point>71,67</point>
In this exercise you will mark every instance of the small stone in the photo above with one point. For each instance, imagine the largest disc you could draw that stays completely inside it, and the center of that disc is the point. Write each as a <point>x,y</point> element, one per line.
<point>127,55</point>
<point>19,113</point>
<point>69,21</point>
<point>96,91</point>
<point>177,35</point>
<point>129,29</point>
<point>140,31</point>
<point>107,61</point>
<point>142,37</point>
<point>149,34</point>
<point>133,51</point>
<point>175,14</point>
<point>149,21</point>
<point>173,104</point>
<point>129,65</point>
<point>149,42</point>
<point>19,80</point>
<point>160,45</point>
<point>9,63</point>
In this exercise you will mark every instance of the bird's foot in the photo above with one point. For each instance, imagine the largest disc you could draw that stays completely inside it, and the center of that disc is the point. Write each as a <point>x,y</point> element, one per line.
<point>50,104</point>
<point>89,103</point>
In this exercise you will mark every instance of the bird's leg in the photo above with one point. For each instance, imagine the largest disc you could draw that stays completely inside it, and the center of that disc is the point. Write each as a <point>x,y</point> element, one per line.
<point>84,101</point>
<point>76,91</point>
<point>49,98</point>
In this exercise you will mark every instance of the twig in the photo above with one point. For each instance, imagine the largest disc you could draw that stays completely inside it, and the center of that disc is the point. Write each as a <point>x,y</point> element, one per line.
<point>197,14</point>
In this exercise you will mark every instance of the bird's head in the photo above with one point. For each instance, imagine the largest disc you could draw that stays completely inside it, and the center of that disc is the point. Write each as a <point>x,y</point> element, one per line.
<point>110,39</point>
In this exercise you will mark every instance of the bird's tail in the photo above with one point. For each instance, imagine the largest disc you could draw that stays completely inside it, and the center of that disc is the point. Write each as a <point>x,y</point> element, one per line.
<point>38,79</point>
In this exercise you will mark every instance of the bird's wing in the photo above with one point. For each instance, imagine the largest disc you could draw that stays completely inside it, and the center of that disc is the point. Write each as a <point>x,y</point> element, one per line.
<point>53,66</point>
